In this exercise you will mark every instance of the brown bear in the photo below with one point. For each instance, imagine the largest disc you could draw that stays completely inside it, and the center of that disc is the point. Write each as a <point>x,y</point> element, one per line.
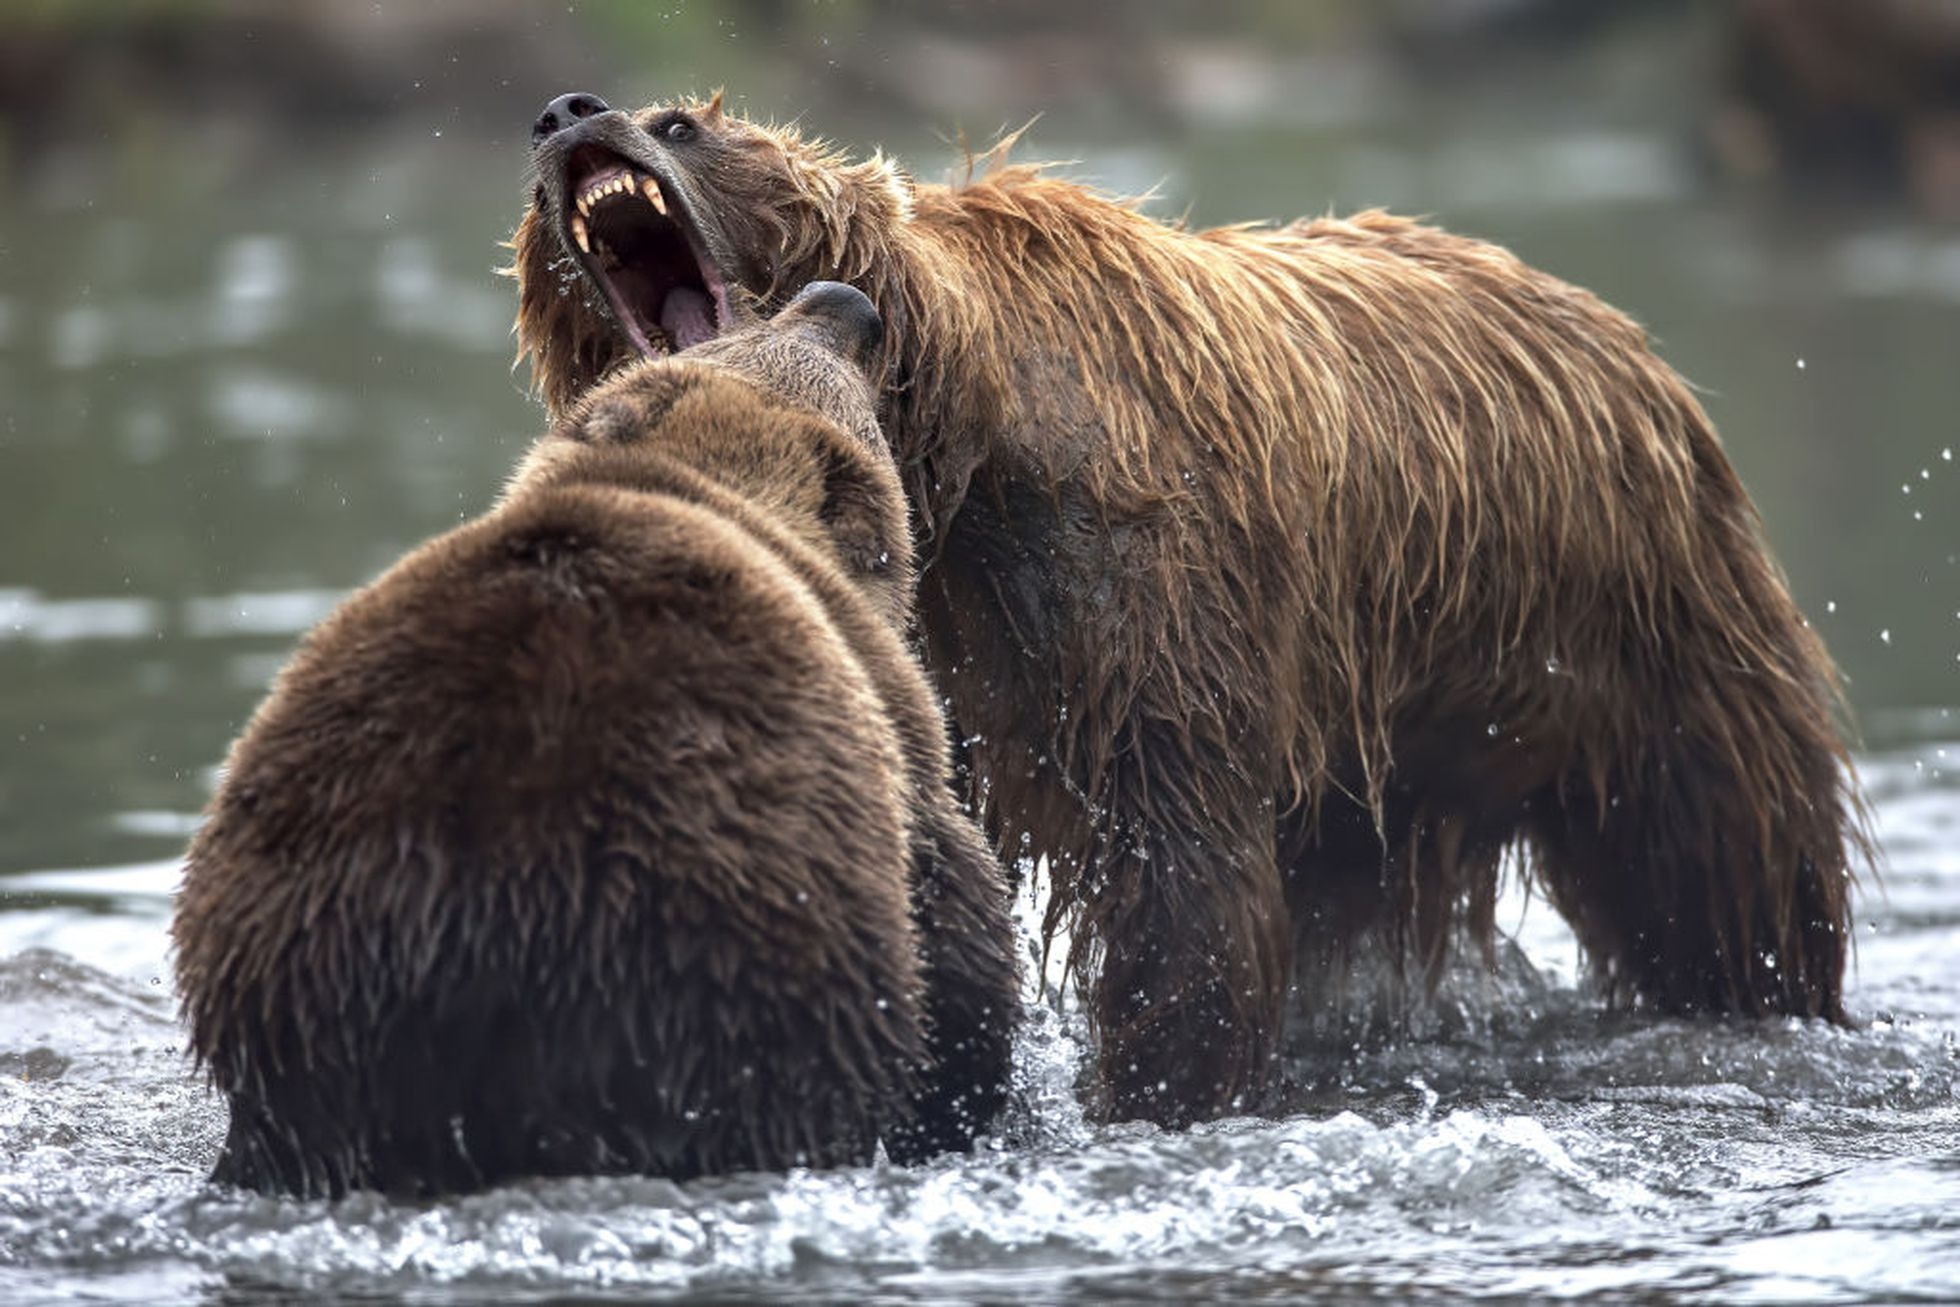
<point>612,832</point>
<point>1280,578</point>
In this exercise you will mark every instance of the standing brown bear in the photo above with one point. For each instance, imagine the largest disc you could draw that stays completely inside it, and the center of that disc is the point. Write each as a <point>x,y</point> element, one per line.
<point>1281,578</point>
<point>612,832</point>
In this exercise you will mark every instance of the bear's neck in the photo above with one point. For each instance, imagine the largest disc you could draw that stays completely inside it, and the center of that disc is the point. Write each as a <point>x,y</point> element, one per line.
<point>996,296</point>
<point>947,385</point>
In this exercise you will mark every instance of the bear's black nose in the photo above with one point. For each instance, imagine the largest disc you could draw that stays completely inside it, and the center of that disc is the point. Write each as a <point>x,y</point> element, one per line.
<point>849,317</point>
<point>563,112</point>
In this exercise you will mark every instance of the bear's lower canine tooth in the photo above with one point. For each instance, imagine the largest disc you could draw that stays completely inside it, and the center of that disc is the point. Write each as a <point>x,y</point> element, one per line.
<point>651,189</point>
<point>579,234</point>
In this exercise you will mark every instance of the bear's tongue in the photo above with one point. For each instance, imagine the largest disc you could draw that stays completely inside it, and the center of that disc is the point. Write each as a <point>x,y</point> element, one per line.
<point>687,316</point>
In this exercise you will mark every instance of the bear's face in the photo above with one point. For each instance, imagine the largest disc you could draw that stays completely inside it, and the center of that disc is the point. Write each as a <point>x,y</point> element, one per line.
<point>779,414</point>
<point>670,223</point>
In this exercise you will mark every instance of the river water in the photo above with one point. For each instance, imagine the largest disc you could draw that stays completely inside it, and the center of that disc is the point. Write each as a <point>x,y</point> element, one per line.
<point>237,380</point>
<point>1528,1144</point>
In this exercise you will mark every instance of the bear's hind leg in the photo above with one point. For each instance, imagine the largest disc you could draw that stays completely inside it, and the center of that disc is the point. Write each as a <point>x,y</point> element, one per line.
<point>1701,881</point>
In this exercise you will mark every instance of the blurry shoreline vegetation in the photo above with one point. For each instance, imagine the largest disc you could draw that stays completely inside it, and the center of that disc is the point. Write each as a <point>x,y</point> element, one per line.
<point>1824,94</point>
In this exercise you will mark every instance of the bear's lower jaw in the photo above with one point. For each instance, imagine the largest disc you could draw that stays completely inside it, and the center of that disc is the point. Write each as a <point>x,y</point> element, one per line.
<point>634,241</point>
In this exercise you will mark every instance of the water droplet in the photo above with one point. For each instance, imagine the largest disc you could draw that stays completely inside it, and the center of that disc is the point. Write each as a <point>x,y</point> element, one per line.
<point>1553,665</point>
<point>1830,605</point>
<point>1493,730</point>
<point>1885,636</point>
<point>1800,365</point>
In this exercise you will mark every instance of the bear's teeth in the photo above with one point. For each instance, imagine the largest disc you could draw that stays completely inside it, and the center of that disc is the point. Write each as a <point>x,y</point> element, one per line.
<point>622,185</point>
<point>579,234</point>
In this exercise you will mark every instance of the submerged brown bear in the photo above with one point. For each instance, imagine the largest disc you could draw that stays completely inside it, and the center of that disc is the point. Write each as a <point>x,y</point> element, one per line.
<point>1280,579</point>
<point>612,832</point>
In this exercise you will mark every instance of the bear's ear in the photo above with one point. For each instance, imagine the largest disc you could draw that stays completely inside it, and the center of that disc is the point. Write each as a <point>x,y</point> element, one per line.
<point>885,187</point>
<point>711,114</point>
<point>622,410</point>
<point>843,318</point>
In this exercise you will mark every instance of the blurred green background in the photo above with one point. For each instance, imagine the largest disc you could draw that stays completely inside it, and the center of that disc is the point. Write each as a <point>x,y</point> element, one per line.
<point>251,346</point>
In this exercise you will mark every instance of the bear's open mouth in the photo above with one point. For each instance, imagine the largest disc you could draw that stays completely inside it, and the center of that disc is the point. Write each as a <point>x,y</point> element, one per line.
<point>635,241</point>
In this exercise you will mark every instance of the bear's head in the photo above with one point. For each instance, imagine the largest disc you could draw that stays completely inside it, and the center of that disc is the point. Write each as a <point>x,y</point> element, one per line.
<point>653,231</point>
<point>777,418</point>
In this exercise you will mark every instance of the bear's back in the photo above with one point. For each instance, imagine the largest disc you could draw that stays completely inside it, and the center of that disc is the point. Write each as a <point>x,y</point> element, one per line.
<point>538,801</point>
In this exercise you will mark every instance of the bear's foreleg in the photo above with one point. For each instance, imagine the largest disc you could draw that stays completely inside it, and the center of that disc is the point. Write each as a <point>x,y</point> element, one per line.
<point>1186,947</point>
<point>973,988</point>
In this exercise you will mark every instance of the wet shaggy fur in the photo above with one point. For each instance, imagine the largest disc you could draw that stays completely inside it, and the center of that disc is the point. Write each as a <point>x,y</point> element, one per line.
<point>1281,578</point>
<point>612,832</point>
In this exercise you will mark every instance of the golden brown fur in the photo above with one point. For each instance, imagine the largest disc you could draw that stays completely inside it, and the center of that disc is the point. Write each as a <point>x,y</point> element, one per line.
<point>612,832</point>
<point>1283,577</point>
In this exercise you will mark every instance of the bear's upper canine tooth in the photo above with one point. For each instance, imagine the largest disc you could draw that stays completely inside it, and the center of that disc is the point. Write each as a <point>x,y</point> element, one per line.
<point>579,233</point>
<point>651,189</point>
<point>585,204</point>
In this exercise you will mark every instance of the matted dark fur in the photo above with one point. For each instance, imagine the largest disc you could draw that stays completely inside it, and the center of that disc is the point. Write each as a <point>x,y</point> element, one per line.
<point>611,832</point>
<point>1281,578</point>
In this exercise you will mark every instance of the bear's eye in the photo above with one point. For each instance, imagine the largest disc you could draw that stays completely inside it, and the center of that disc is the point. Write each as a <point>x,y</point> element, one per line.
<point>676,129</point>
